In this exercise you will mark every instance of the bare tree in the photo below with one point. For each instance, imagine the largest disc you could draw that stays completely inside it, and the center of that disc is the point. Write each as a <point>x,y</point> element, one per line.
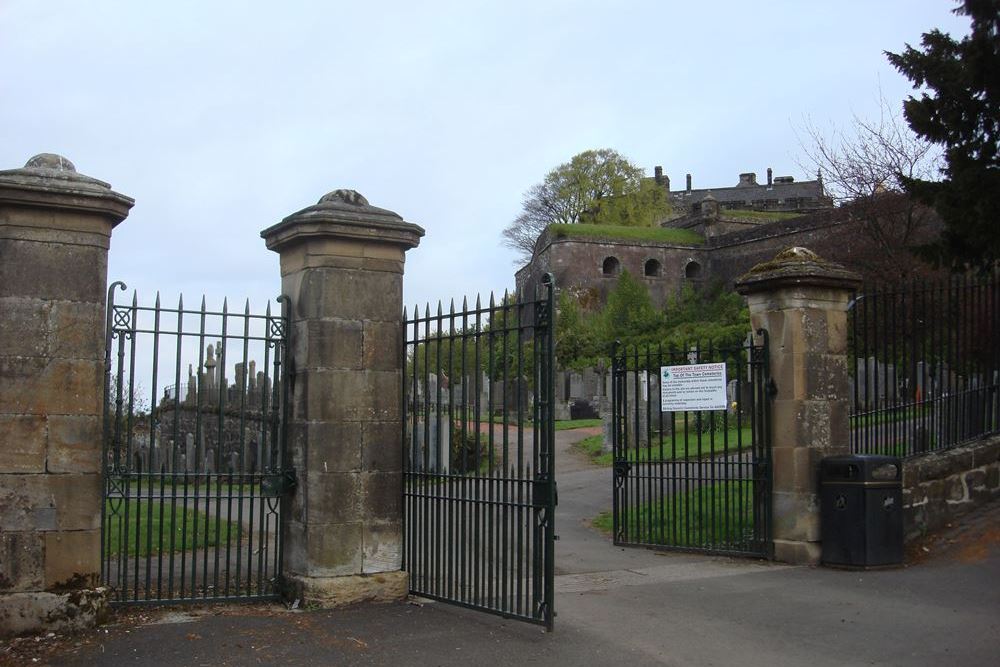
<point>863,168</point>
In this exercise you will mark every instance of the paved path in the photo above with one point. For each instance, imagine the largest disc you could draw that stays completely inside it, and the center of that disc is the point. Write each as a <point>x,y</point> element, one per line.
<point>615,607</point>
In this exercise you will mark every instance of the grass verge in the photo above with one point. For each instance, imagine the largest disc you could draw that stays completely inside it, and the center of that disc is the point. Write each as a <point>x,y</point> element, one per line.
<point>713,516</point>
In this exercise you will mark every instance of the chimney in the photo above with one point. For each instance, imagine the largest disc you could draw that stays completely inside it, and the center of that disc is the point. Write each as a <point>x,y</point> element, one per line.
<point>747,179</point>
<point>768,177</point>
<point>689,182</point>
<point>658,174</point>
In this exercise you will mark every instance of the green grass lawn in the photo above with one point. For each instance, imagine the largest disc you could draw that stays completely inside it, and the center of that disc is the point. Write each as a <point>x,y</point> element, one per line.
<point>711,516</point>
<point>117,528</point>
<point>615,232</point>
<point>674,447</point>
<point>567,424</point>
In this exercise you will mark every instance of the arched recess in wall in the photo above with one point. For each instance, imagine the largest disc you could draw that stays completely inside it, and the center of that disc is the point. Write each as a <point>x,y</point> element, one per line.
<point>610,266</point>
<point>692,270</point>
<point>652,268</point>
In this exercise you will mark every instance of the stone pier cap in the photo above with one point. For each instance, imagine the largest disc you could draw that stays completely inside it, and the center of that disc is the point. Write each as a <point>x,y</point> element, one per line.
<point>343,214</point>
<point>52,181</point>
<point>796,267</point>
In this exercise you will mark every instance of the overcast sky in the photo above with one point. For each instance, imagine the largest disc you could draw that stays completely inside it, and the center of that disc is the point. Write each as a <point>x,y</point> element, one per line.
<point>221,118</point>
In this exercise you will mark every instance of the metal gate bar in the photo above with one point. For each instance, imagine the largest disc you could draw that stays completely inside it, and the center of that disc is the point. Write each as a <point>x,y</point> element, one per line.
<point>691,481</point>
<point>479,489</point>
<point>193,477</point>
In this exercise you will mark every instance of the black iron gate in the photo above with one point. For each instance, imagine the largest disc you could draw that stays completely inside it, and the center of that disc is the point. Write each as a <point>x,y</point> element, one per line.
<point>691,465</point>
<point>194,457</point>
<point>479,488</point>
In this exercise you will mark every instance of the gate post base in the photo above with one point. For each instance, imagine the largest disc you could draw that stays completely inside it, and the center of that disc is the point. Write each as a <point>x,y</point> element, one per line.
<point>796,552</point>
<point>332,592</point>
<point>36,612</point>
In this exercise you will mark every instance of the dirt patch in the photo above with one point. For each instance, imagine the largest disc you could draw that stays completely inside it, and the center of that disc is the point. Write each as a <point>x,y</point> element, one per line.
<point>968,540</point>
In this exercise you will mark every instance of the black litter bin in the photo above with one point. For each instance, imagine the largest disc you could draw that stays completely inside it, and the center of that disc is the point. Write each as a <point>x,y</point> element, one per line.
<point>861,510</point>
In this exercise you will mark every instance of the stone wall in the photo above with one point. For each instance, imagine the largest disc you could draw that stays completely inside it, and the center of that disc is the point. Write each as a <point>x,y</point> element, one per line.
<point>942,486</point>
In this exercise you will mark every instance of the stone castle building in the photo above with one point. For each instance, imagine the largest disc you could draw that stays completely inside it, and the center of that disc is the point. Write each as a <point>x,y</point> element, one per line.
<point>733,228</point>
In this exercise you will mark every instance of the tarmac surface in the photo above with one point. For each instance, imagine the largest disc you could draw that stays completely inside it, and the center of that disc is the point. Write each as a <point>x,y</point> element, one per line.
<point>615,606</point>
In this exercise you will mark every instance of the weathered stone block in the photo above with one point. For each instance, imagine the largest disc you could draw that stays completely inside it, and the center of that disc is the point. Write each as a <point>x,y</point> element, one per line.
<point>53,271</point>
<point>795,516</point>
<point>332,592</point>
<point>328,344</point>
<point>332,447</point>
<point>72,559</point>
<point>77,499</point>
<point>335,550</point>
<point>77,330</point>
<point>382,448</point>
<point>74,444</point>
<point>26,504</point>
<point>383,496</point>
<point>796,469</point>
<point>797,552</point>
<point>350,294</point>
<point>383,546</point>
<point>22,561</point>
<point>327,498</point>
<point>28,613</point>
<point>36,385</point>
<point>383,346</point>
<point>22,443</point>
<point>24,326</point>
<point>986,453</point>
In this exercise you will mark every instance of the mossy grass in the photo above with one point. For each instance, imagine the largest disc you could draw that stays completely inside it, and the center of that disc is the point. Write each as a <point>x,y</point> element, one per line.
<point>684,237</point>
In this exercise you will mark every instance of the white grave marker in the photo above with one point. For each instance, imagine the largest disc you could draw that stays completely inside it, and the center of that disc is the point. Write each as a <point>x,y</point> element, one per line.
<point>693,387</point>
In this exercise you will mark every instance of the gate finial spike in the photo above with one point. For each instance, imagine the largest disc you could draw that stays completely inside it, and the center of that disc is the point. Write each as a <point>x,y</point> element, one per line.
<point>492,301</point>
<point>203,303</point>
<point>157,299</point>
<point>439,310</point>
<point>246,309</point>
<point>465,303</point>
<point>404,314</point>
<point>135,298</point>
<point>180,303</point>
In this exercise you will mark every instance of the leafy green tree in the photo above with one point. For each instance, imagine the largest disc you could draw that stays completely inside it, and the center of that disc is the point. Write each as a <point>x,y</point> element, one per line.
<point>629,315</point>
<point>644,207</point>
<point>577,335</point>
<point>959,109</point>
<point>576,191</point>
<point>713,314</point>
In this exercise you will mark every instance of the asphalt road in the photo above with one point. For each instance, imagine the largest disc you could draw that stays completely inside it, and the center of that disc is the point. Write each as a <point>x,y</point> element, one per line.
<point>615,606</point>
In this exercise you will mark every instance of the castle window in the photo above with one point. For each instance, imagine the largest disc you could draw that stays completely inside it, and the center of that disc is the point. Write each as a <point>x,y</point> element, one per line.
<point>692,270</point>
<point>652,268</point>
<point>610,266</point>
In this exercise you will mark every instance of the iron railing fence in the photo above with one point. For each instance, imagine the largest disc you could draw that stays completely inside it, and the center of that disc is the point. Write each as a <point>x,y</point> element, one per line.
<point>193,479</point>
<point>692,480</point>
<point>478,432</point>
<point>925,365</point>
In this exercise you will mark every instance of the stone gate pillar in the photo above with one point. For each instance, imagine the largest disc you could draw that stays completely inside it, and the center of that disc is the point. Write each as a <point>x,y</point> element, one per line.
<point>55,229</point>
<point>801,301</point>
<point>342,268</point>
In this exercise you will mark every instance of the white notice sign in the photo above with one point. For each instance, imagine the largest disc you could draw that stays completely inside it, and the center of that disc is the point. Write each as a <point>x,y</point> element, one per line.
<point>693,387</point>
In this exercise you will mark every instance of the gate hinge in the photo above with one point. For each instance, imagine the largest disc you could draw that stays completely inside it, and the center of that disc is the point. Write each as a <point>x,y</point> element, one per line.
<point>278,484</point>
<point>771,388</point>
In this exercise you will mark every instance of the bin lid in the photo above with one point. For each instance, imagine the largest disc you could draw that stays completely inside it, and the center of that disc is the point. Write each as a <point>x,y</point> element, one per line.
<point>861,468</point>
